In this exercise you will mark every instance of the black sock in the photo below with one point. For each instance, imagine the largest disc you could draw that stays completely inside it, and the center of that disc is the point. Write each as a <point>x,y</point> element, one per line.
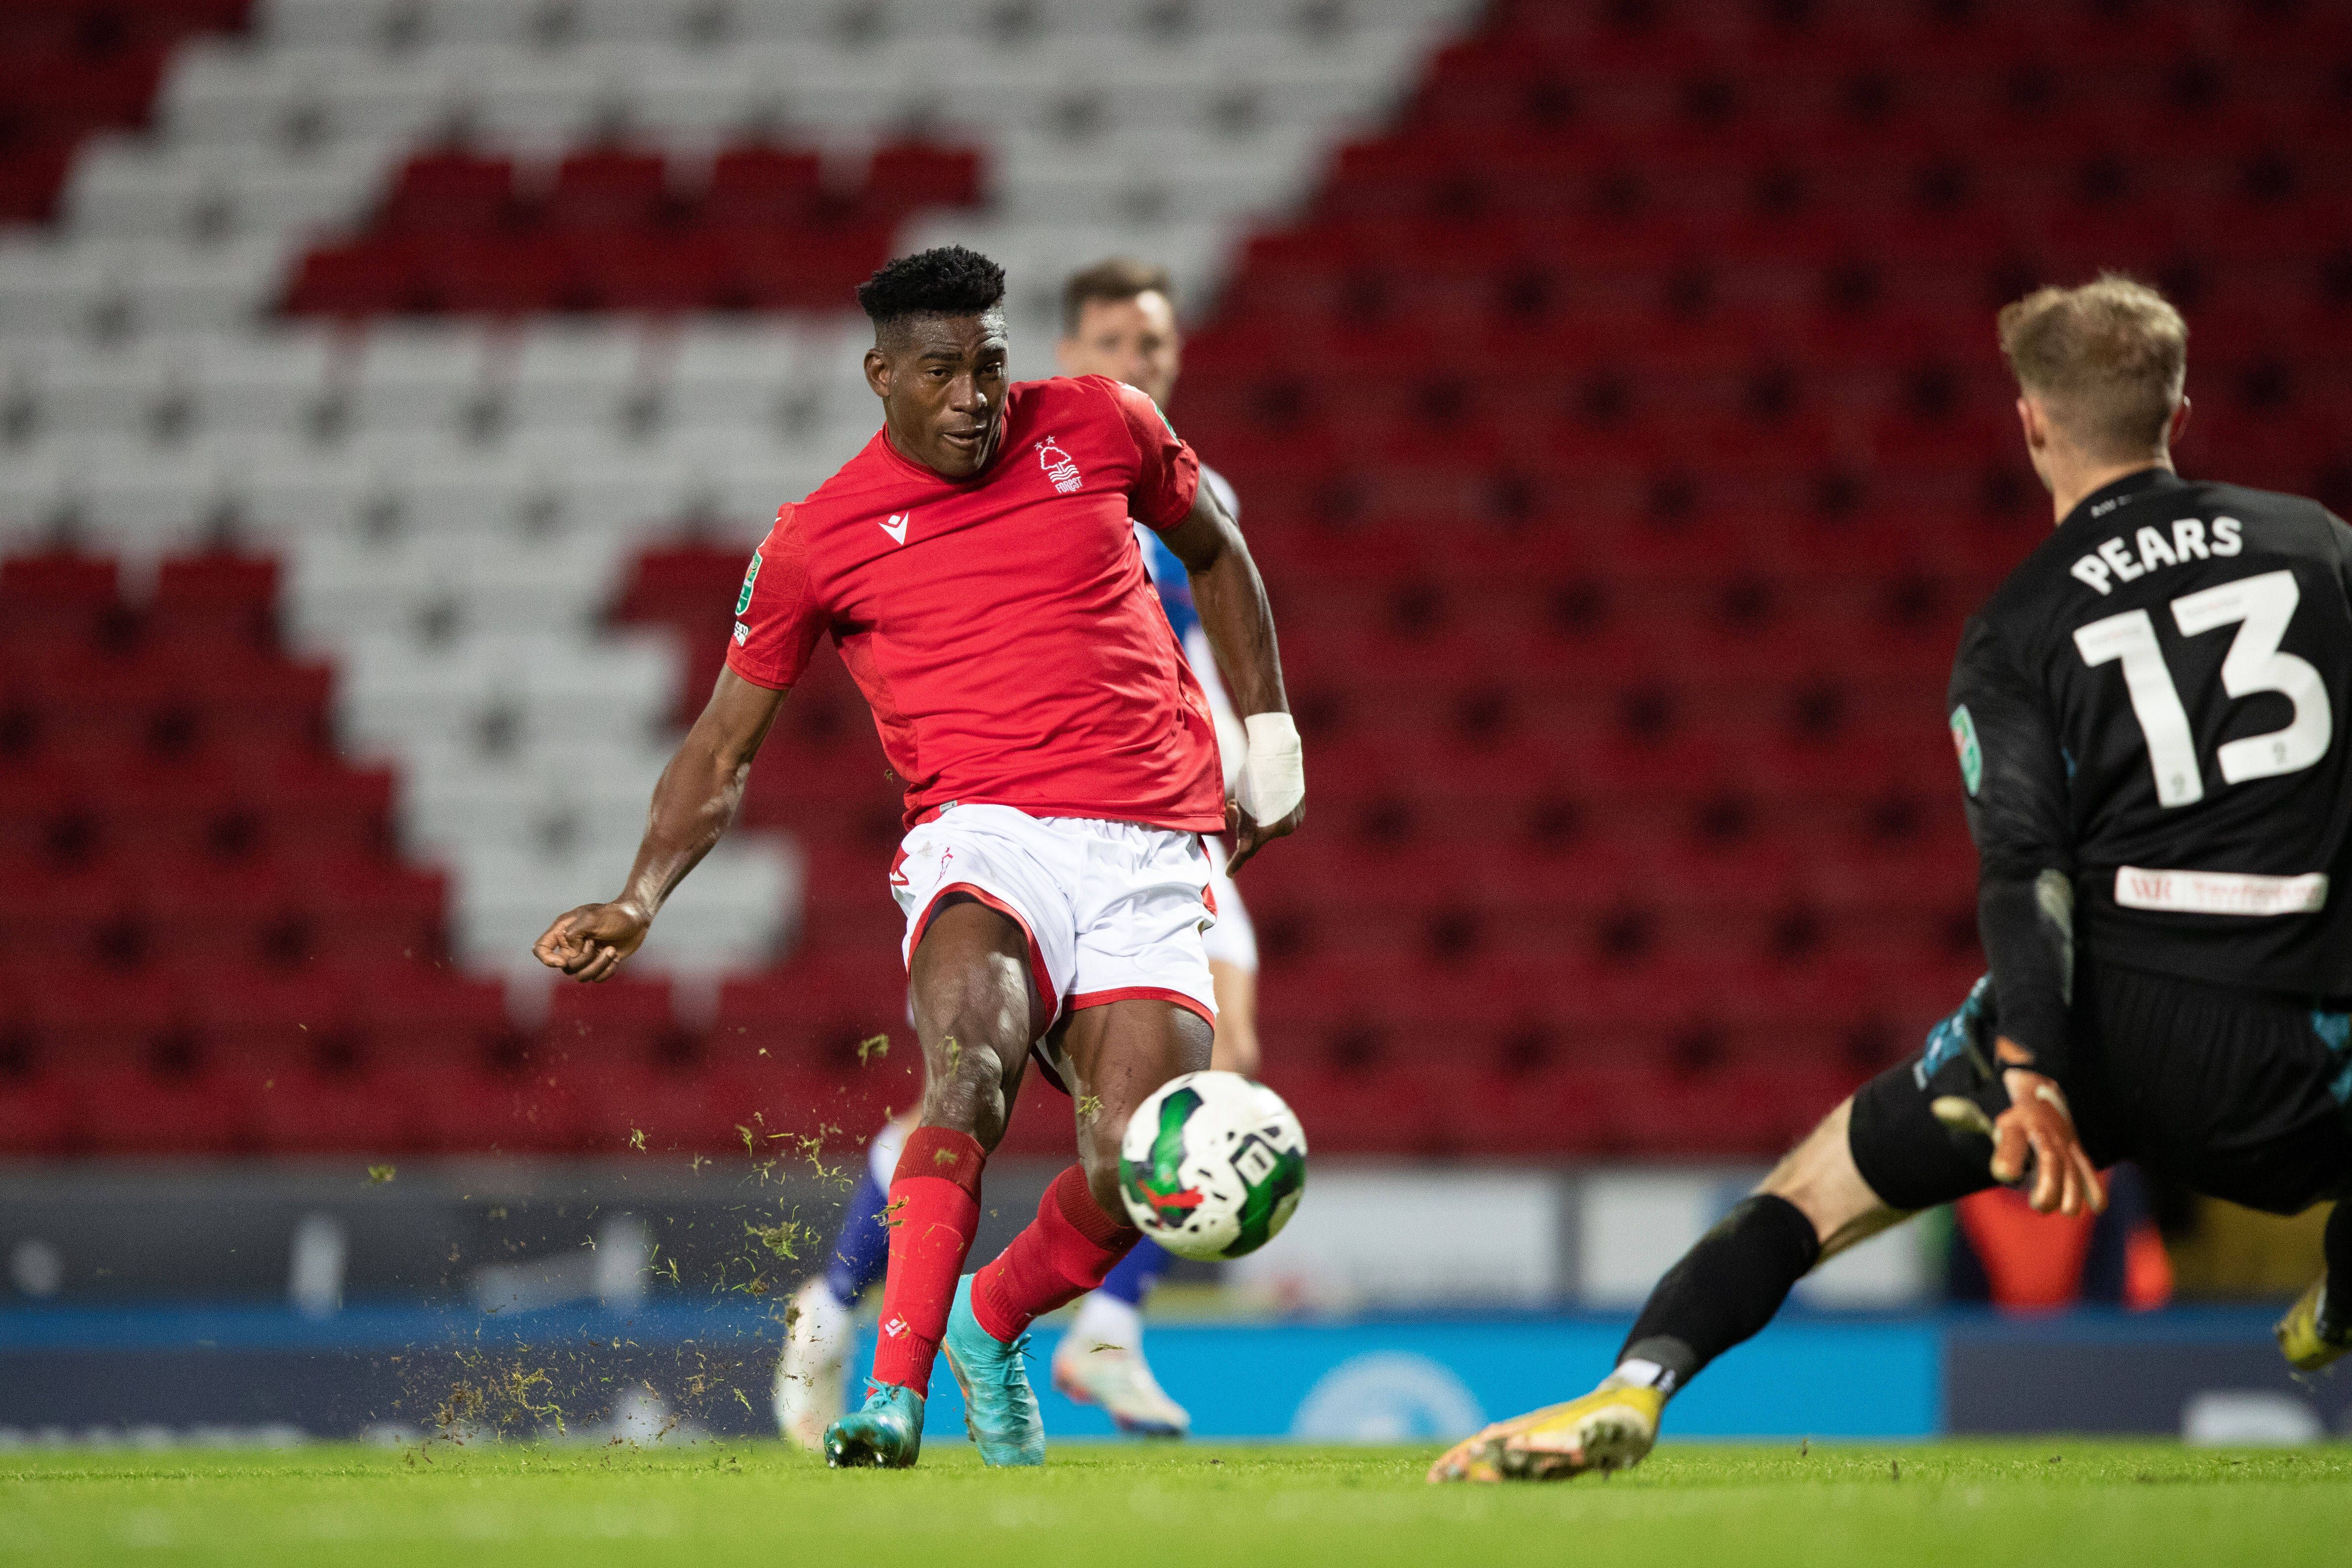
<point>2335,1302</point>
<point>1724,1289</point>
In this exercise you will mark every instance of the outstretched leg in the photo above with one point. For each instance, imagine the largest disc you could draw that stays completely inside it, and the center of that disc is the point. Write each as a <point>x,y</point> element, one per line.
<point>1916,1136</point>
<point>975,1013</point>
<point>1733,1281</point>
<point>1725,1289</point>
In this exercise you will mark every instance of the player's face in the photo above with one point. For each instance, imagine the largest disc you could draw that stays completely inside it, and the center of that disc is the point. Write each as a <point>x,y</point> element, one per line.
<point>942,382</point>
<point>1132,340</point>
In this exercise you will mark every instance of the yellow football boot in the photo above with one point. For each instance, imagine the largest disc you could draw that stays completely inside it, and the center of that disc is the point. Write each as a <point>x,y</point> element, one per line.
<point>1611,1428</point>
<point>2300,1341</point>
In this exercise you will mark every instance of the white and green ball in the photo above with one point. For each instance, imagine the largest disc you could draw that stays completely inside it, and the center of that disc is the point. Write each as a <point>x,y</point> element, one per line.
<point>1213,1165</point>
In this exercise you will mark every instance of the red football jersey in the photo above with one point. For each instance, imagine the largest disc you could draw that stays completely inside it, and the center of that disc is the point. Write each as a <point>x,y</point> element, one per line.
<point>1002,627</point>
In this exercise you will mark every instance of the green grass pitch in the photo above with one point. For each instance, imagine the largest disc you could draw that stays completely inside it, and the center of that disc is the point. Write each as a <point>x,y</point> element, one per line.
<point>1984,1505</point>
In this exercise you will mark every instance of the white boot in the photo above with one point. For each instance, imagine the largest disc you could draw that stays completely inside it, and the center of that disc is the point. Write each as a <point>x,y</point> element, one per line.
<point>809,1375</point>
<point>1100,1362</point>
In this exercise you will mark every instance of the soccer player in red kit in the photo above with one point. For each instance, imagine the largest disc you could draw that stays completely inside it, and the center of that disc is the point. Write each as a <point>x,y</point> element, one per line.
<point>976,566</point>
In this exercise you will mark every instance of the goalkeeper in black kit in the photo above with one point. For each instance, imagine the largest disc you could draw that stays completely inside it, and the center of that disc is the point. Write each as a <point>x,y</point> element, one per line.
<point>2148,715</point>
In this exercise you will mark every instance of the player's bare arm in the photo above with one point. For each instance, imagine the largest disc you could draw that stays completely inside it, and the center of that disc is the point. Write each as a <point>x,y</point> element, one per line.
<point>1231,598</point>
<point>693,806</point>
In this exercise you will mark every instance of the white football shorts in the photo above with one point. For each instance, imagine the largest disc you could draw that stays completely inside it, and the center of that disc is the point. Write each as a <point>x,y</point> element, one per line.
<point>1233,940</point>
<point>1113,911</point>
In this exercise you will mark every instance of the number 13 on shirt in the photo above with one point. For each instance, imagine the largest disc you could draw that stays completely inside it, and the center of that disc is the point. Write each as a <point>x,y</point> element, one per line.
<point>2259,606</point>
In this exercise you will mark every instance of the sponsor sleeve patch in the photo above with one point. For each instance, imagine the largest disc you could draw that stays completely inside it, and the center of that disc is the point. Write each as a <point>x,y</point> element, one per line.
<point>1964,742</point>
<point>751,575</point>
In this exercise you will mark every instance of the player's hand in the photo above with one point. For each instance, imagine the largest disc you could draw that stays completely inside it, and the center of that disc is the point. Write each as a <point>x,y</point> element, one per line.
<point>1249,835</point>
<point>589,942</point>
<point>1270,797</point>
<point>2038,1121</point>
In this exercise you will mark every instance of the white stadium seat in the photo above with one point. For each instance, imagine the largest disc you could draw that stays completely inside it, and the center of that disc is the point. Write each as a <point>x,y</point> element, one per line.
<point>739,909</point>
<point>539,104</point>
<point>45,288</point>
<point>33,493</point>
<point>195,190</point>
<point>98,391</point>
<point>476,22</point>
<point>298,22</point>
<point>669,22</point>
<point>268,383</point>
<point>577,377</point>
<point>144,504</point>
<point>413,377</point>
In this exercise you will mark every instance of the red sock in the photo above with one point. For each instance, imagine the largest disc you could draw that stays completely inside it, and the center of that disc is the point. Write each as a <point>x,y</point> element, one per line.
<point>1064,1252</point>
<point>934,1209</point>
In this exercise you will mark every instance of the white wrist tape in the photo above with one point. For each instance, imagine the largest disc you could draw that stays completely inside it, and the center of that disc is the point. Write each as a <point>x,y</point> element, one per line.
<point>1274,777</point>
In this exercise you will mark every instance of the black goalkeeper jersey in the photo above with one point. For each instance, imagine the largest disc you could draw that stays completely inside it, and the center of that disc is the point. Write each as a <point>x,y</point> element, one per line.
<point>2149,715</point>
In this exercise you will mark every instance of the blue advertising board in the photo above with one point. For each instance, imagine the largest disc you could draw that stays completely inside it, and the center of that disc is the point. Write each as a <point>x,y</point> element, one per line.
<point>1397,1380</point>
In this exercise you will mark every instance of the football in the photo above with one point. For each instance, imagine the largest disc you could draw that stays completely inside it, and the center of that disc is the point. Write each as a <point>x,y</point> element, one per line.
<point>1213,1165</point>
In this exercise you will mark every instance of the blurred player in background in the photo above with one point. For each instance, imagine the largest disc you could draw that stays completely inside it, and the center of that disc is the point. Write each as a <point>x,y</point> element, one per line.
<point>977,565</point>
<point>1118,319</point>
<point>2151,717</point>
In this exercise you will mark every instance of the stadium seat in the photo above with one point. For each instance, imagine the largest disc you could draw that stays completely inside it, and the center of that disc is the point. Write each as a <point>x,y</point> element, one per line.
<point>38,1115</point>
<point>136,1111</point>
<point>621,1017</point>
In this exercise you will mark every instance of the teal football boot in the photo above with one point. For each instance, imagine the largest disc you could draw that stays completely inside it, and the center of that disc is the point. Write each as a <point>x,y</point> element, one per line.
<point>887,1432</point>
<point>999,1409</point>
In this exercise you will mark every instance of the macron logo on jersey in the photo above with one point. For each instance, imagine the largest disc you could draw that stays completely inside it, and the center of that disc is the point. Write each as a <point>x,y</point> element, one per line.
<point>1059,467</point>
<point>897,527</point>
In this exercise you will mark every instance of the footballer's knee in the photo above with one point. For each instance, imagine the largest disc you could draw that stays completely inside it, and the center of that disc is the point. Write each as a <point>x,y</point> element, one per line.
<point>973,1006</point>
<point>973,1029</point>
<point>1819,1179</point>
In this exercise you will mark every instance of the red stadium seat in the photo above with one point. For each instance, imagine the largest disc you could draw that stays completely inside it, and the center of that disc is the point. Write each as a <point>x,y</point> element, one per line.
<point>609,188</point>
<point>814,1013</point>
<point>36,1116</point>
<point>618,1018</point>
<point>760,185</point>
<point>133,1111</point>
<point>418,1012</point>
<point>274,1019</point>
<point>458,1106</point>
<point>451,189</point>
<point>220,588</point>
<point>302,1110</point>
<point>905,175</point>
<point>1358,1110</point>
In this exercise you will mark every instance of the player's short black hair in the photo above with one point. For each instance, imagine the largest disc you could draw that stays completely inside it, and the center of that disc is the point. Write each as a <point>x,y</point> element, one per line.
<point>948,280</point>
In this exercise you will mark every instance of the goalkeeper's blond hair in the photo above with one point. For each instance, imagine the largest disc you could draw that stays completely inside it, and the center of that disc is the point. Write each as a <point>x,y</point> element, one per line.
<point>2107,362</point>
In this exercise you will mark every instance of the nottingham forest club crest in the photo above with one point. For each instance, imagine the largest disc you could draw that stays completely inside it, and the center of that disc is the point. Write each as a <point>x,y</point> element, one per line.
<point>1059,467</point>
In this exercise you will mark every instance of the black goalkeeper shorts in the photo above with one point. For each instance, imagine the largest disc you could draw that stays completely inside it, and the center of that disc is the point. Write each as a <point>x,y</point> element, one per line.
<point>2235,1094</point>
